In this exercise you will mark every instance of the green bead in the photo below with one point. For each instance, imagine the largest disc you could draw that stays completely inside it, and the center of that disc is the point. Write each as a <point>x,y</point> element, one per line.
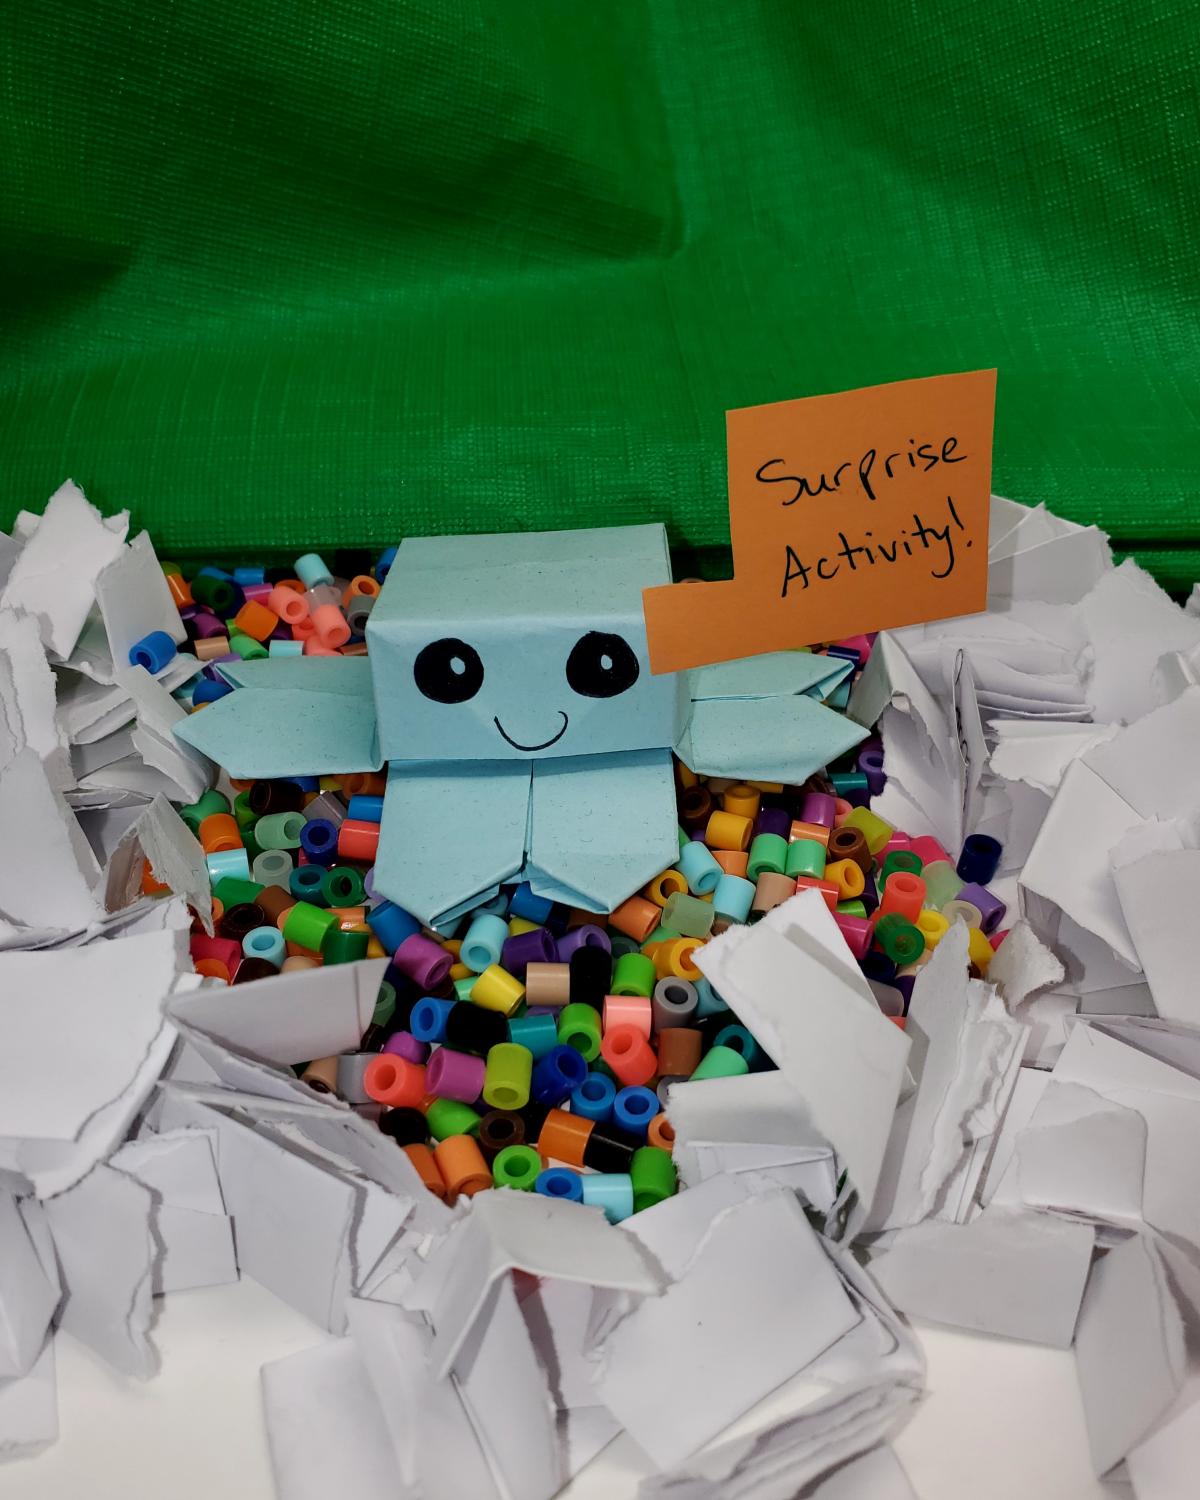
<point>344,947</point>
<point>721,1062</point>
<point>385,1004</point>
<point>633,974</point>
<point>342,886</point>
<point>855,908</point>
<point>516,1167</point>
<point>446,1117</point>
<point>901,859</point>
<point>684,839</point>
<point>507,1075</point>
<point>806,857</point>
<point>217,594</point>
<point>464,986</point>
<point>768,856</point>
<point>243,812</point>
<point>654,1177</point>
<point>688,915</point>
<point>579,1027</point>
<point>279,830</point>
<point>899,938</point>
<point>942,883</point>
<point>195,812</point>
<point>246,646</point>
<point>230,890</point>
<point>306,926</point>
<point>661,934</point>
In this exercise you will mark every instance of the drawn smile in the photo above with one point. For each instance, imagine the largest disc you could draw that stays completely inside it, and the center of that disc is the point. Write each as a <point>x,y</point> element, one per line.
<point>545,745</point>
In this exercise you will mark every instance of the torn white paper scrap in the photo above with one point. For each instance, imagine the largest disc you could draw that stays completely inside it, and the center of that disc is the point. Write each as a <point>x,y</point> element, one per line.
<point>288,1018</point>
<point>29,696</point>
<point>844,1059</point>
<point>1164,1465</point>
<point>134,601</point>
<point>54,576</point>
<point>1132,623</point>
<point>1160,898</point>
<point>681,1367</point>
<point>325,1426</point>
<point>176,859</point>
<point>1083,1154</point>
<point>48,869</point>
<point>29,1409</point>
<point>27,1296</point>
<point>1019,1275</point>
<point>101,1230</point>
<point>1023,965</point>
<point>1129,1350</point>
<point>154,739</point>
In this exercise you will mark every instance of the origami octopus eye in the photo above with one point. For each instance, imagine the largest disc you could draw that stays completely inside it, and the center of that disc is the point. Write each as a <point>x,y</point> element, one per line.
<point>601,665</point>
<point>448,671</point>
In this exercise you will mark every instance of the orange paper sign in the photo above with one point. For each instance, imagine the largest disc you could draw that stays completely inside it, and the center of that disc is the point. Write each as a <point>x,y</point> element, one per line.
<point>847,513</point>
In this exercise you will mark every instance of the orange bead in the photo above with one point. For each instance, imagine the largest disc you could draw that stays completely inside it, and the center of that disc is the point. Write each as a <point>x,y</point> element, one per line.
<point>828,889</point>
<point>422,1158</point>
<point>802,830</point>
<point>180,590</point>
<point>364,784</point>
<point>150,886</point>
<point>220,831</point>
<point>212,968</point>
<point>256,620</point>
<point>564,1137</point>
<point>349,917</point>
<point>727,830</point>
<point>661,1133</point>
<point>393,1080</point>
<point>358,839</point>
<point>360,586</point>
<point>629,1055</point>
<point>733,861</point>
<point>461,1163</point>
<point>636,918</point>
<point>903,892</point>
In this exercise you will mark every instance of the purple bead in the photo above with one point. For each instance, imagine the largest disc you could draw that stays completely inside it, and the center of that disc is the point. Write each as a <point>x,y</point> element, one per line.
<point>698,833</point>
<point>773,820</point>
<point>870,894</point>
<point>369,886</point>
<point>541,1010</point>
<point>904,983</point>
<point>991,908</point>
<point>870,763</point>
<point>536,947</point>
<point>256,591</point>
<point>455,1075</point>
<point>423,961</point>
<point>206,624</point>
<point>819,808</point>
<point>404,1044</point>
<point>586,936</point>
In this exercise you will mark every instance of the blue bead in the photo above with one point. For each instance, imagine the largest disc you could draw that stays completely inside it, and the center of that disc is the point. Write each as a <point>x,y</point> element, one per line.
<point>265,942</point>
<point>531,908</point>
<point>611,1191</point>
<point>593,1099</point>
<point>709,1003</point>
<point>979,860</point>
<point>318,839</point>
<point>311,570</point>
<point>496,907</point>
<point>560,1182</point>
<point>153,651</point>
<point>879,966</point>
<point>739,1040</point>
<point>305,783</point>
<point>635,1107</point>
<point>243,576</point>
<point>368,809</point>
<point>227,862</point>
<point>384,566</point>
<point>699,868</point>
<point>305,883</point>
<point>391,924</point>
<point>428,1019</point>
<point>208,691</point>
<point>484,942</point>
<point>557,1074</point>
<point>537,1033</point>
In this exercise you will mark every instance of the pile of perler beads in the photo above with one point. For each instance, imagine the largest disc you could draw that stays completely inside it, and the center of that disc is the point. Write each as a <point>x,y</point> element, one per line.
<point>532,1048</point>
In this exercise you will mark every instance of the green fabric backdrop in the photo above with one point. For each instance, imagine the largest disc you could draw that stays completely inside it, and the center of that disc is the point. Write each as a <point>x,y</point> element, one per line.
<point>287,271</point>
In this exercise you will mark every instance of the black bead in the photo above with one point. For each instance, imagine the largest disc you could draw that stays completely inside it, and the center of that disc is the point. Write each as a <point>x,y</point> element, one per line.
<point>406,1127</point>
<point>878,966</point>
<point>608,1150</point>
<point>238,921</point>
<point>471,1028</point>
<point>254,968</point>
<point>534,1115</point>
<point>591,975</point>
<point>275,797</point>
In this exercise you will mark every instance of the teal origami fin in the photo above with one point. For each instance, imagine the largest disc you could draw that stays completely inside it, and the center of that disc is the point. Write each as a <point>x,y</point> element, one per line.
<point>292,716</point>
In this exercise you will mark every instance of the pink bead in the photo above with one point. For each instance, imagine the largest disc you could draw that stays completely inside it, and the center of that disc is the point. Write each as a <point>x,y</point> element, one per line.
<point>857,931</point>
<point>224,950</point>
<point>628,1010</point>
<point>928,850</point>
<point>314,646</point>
<point>404,1044</point>
<point>259,592</point>
<point>425,962</point>
<point>841,811</point>
<point>287,604</point>
<point>455,1075</point>
<point>860,643</point>
<point>899,843</point>
<point>331,626</point>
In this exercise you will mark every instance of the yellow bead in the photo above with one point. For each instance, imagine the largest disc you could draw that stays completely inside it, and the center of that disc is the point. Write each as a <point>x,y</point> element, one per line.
<point>460,971</point>
<point>375,948</point>
<point>497,989</point>
<point>687,777</point>
<point>979,950</point>
<point>728,830</point>
<point>848,877</point>
<point>663,886</point>
<point>518,925</point>
<point>742,800</point>
<point>934,926</point>
<point>674,959</point>
<point>873,829</point>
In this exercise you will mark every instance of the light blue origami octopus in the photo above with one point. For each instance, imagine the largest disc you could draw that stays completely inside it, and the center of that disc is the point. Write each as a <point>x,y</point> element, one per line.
<point>508,689</point>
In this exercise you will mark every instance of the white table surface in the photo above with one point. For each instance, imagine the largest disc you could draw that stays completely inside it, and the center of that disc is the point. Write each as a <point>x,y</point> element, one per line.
<point>1001,1420</point>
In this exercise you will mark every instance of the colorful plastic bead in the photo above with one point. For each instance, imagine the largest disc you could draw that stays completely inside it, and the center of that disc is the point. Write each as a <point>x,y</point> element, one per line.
<point>990,908</point>
<point>496,989</point>
<point>848,877</point>
<point>903,893</point>
<point>450,1074</point>
<point>942,883</point>
<point>305,882</point>
<point>674,1003</point>
<point>395,1081</point>
<point>593,1098</point>
<point>579,1027</point>
<point>629,1055</point>
<point>699,868</point>
<point>899,938</point>
<point>565,1137</point>
<point>560,1182</point>
<point>633,974</point>
<point>461,1164</point>
<point>306,925</point>
<point>610,1191</point>
<point>484,942</point>
<point>633,1109</point>
<point>721,1062</point>
<point>979,859</point>
<point>279,830</point>
<point>805,857</point>
<point>738,1039</point>
<point>557,1075</point>
<point>449,1117</point>
<point>727,830</point>
<point>405,1126</point>
<point>508,1076</point>
<point>154,652</point>
<point>342,886</point>
<point>423,961</point>
<point>425,1164</point>
<point>688,915</point>
<point>664,886</point>
<point>226,862</point>
<point>653,1176</point>
<point>538,1034</point>
<point>547,984</point>
<point>733,897</point>
<point>266,943</point>
<point>517,1167</point>
<point>428,1021</point>
<point>873,828</point>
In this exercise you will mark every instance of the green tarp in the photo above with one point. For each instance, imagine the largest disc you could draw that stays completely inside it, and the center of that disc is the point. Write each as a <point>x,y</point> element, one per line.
<point>296,271</point>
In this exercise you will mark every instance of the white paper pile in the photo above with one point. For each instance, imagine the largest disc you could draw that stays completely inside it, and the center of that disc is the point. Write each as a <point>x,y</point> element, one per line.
<point>1019,1160</point>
